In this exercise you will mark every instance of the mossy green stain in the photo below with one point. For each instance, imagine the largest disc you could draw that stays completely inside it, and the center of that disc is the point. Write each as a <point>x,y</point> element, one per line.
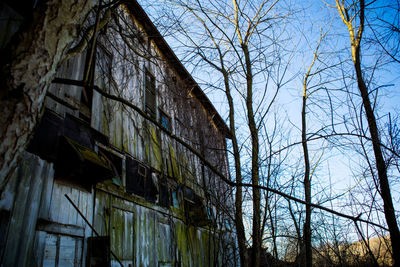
<point>175,169</point>
<point>182,243</point>
<point>156,148</point>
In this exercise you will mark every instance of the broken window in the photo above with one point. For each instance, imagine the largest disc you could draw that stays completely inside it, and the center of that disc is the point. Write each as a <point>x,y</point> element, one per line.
<point>174,199</point>
<point>195,210</point>
<point>165,121</point>
<point>139,180</point>
<point>114,161</point>
<point>150,93</point>
<point>165,193</point>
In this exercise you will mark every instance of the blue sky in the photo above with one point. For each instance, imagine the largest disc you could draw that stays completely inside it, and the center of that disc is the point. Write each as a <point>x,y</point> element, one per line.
<point>340,169</point>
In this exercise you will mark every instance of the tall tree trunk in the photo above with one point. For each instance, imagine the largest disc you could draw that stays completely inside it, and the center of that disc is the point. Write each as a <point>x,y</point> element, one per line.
<point>240,233</point>
<point>307,247</point>
<point>256,231</point>
<point>388,207</point>
<point>307,187</point>
<point>28,69</point>
<point>380,164</point>
<point>256,252</point>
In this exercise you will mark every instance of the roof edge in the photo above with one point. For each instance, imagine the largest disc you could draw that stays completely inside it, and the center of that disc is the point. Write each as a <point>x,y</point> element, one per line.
<point>139,13</point>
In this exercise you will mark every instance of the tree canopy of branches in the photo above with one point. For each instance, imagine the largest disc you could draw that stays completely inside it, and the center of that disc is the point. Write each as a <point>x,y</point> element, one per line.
<point>239,50</point>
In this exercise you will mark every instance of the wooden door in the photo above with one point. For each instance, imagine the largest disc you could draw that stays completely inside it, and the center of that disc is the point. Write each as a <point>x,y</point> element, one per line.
<point>122,236</point>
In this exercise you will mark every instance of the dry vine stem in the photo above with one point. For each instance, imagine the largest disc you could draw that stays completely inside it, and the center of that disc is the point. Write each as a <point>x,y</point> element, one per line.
<point>206,162</point>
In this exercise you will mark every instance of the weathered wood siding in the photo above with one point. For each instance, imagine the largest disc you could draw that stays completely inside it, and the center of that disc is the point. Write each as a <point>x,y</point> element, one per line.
<point>73,68</point>
<point>144,236</point>
<point>43,229</point>
<point>26,189</point>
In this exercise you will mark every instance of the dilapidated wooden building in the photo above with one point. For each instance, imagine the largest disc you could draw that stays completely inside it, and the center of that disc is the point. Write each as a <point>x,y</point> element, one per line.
<point>113,174</point>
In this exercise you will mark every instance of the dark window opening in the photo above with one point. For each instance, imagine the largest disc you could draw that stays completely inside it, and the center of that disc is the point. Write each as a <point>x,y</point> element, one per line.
<point>25,8</point>
<point>188,194</point>
<point>150,94</point>
<point>139,180</point>
<point>45,141</point>
<point>211,213</point>
<point>11,20</point>
<point>115,163</point>
<point>195,211</point>
<point>165,194</point>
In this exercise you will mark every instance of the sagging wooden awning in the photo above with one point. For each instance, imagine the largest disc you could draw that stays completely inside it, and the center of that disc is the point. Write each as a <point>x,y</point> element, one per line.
<point>80,164</point>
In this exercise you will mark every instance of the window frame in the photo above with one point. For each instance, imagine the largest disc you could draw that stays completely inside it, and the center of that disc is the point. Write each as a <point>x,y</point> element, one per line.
<point>168,125</point>
<point>150,102</point>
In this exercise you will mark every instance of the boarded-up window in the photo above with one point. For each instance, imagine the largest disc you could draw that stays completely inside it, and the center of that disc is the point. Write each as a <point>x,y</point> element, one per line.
<point>150,93</point>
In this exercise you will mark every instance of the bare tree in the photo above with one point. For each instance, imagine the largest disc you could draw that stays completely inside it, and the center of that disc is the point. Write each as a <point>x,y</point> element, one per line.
<point>307,176</point>
<point>232,40</point>
<point>384,23</point>
<point>353,16</point>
